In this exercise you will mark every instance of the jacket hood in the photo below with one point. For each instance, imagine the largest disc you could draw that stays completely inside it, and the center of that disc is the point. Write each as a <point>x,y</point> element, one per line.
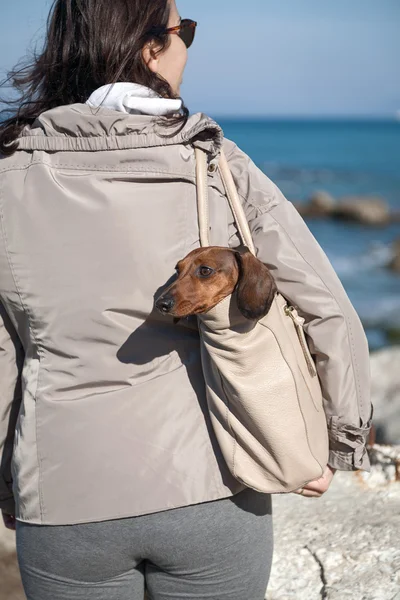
<point>79,127</point>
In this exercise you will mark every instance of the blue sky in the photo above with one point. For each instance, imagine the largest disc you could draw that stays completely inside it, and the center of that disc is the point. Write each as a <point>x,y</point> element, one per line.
<point>269,57</point>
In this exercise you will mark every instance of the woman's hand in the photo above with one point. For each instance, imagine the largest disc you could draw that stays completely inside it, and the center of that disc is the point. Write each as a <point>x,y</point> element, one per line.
<point>9,521</point>
<point>315,489</point>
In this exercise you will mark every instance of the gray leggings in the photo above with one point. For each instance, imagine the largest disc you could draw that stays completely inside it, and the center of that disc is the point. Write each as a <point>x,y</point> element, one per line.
<point>214,550</point>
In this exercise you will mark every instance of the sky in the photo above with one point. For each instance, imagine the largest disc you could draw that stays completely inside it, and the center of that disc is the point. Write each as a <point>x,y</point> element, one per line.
<point>278,58</point>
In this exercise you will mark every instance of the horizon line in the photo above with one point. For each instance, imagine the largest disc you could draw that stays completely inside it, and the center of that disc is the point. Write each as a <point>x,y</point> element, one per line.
<point>297,117</point>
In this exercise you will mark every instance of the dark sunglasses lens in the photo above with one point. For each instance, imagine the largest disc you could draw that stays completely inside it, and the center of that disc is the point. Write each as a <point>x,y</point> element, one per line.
<point>187,32</point>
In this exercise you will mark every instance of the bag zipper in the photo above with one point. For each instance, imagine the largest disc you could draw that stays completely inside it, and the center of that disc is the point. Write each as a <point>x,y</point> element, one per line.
<point>299,322</point>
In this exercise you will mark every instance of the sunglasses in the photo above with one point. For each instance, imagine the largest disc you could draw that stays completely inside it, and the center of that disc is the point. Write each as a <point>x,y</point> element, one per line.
<point>186,31</point>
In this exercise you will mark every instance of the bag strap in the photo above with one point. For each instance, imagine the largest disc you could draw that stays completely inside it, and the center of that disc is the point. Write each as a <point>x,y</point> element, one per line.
<point>202,195</point>
<point>231,193</point>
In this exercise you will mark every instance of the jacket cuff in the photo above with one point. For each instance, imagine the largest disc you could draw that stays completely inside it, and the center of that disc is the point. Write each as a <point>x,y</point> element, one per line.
<point>348,446</point>
<point>350,461</point>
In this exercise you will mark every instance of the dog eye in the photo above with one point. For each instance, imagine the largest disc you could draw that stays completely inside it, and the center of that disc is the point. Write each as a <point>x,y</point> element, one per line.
<point>205,271</point>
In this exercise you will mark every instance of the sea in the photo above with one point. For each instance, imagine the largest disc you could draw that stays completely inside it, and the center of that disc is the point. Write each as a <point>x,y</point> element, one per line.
<point>344,158</point>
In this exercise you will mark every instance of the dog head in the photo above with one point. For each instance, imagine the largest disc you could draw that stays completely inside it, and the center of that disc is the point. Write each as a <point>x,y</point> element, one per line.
<point>208,275</point>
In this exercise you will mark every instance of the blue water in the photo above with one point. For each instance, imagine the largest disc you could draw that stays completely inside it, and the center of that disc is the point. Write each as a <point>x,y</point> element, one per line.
<point>343,158</point>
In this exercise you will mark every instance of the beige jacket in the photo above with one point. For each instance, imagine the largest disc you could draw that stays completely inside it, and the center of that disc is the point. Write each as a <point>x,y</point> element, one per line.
<point>102,401</point>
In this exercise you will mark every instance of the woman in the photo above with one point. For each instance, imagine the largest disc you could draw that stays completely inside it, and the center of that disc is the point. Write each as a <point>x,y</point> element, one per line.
<point>111,472</point>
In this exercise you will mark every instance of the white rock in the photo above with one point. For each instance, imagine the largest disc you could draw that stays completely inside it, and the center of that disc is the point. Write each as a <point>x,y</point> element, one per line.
<point>351,535</point>
<point>385,394</point>
<point>10,583</point>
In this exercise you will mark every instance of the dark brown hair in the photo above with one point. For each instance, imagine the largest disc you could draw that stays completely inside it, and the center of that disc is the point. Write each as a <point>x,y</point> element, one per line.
<point>89,43</point>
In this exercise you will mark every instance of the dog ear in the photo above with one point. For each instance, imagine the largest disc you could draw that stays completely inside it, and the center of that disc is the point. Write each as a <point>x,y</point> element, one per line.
<point>256,288</point>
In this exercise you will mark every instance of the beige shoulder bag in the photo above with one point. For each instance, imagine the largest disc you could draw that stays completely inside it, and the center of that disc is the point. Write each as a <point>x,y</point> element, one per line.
<point>263,391</point>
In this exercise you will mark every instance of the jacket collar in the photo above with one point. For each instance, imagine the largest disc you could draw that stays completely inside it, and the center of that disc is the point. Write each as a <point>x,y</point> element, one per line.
<point>79,127</point>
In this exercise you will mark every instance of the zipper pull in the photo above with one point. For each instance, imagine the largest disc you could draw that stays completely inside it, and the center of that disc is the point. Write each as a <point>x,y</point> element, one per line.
<point>294,315</point>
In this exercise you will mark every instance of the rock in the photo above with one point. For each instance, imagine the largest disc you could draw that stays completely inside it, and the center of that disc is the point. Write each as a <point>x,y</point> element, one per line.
<point>394,264</point>
<point>340,546</point>
<point>392,334</point>
<point>385,394</point>
<point>385,466</point>
<point>368,210</point>
<point>322,204</point>
<point>10,581</point>
<point>364,210</point>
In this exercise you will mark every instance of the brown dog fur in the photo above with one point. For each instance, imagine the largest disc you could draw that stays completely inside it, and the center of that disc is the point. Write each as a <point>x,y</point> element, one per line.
<point>208,275</point>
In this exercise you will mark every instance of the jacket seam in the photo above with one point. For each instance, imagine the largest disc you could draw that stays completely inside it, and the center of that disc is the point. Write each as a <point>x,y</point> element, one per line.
<point>87,167</point>
<point>42,136</point>
<point>113,143</point>
<point>31,328</point>
<point>83,143</point>
<point>103,519</point>
<point>186,136</point>
<point>348,325</point>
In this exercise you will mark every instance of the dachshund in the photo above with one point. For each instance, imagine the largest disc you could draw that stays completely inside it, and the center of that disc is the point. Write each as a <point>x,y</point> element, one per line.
<point>208,275</point>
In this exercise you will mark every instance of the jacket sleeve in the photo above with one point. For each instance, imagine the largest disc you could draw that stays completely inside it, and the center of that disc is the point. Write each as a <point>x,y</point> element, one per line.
<point>11,360</point>
<point>306,278</point>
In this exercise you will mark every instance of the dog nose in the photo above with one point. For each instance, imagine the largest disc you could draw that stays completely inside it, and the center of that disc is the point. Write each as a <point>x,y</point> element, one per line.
<point>165,304</point>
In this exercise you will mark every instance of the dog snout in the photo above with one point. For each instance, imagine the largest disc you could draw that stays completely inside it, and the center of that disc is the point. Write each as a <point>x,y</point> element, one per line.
<point>165,304</point>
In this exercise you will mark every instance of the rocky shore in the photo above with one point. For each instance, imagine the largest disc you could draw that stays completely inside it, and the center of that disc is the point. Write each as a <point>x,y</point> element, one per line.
<point>10,582</point>
<point>346,543</point>
<point>369,211</point>
<point>342,545</point>
<point>365,210</point>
